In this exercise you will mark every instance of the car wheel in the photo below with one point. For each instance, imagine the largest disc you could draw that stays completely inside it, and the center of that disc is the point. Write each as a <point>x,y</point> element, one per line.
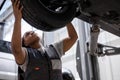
<point>48,15</point>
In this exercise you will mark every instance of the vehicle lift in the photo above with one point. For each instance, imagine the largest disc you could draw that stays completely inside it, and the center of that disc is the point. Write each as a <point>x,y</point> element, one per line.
<point>87,59</point>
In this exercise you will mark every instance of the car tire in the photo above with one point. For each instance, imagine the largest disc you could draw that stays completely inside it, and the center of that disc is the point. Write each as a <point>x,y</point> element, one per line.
<point>43,18</point>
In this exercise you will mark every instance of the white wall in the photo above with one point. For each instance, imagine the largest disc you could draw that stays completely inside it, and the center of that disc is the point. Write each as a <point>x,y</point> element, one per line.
<point>109,65</point>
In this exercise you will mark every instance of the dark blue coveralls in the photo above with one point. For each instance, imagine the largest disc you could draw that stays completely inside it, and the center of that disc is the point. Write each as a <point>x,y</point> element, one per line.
<point>39,66</point>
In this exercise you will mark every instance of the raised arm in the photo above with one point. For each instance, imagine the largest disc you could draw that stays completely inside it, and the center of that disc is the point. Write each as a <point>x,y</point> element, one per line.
<point>71,39</point>
<point>16,42</point>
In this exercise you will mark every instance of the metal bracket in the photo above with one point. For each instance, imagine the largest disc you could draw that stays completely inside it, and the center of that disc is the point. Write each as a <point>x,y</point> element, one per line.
<point>103,50</point>
<point>107,50</point>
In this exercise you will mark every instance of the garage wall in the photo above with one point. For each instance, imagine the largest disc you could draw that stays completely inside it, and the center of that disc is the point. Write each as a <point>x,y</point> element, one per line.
<point>109,65</point>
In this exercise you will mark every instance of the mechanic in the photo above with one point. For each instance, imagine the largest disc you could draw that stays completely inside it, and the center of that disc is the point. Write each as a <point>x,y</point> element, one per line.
<point>36,61</point>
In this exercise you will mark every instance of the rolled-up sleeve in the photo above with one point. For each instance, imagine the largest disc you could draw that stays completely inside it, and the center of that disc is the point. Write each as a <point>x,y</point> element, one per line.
<point>59,47</point>
<point>24,65</point>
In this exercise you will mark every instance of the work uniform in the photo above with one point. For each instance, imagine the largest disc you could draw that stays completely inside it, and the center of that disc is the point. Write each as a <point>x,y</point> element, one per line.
<point>53,53</point>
